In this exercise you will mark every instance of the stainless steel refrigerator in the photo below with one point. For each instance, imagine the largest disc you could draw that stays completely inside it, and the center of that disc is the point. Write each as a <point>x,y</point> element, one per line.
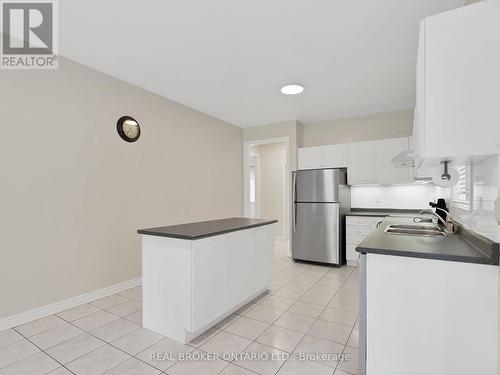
<point>321,197</point>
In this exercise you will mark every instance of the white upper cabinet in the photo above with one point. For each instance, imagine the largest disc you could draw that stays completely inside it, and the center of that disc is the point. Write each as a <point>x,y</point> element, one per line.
<point>458,83</point>
<point>360,167</point>
<point>330,156</point>
<point>371,162</point>
<point>366,162</point>
<point>385,172</point>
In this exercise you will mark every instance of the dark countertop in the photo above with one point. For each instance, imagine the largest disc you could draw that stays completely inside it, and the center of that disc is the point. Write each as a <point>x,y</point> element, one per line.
<point>381,212</point>
<point>202,229</point>
<point>466,246</point>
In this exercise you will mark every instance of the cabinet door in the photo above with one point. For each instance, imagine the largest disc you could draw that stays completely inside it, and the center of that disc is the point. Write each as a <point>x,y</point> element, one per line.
<point>418,141</point>
<point>462,82</point>
<point>335,156</point>
<point>360,168</point>
<point>264,256</point>
<point>385,171</point>
<point>210,280</point>
<point>330,156</point>
<point>357,228</point>
<point>241,265</point>
<point>309,158</point>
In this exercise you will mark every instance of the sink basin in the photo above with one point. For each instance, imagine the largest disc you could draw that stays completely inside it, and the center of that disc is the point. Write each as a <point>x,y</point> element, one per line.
<point>415,230</point>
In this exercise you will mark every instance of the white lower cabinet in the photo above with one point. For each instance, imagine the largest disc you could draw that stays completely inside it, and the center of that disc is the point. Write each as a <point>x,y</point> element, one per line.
<point>357,228</point>
<point>264,256</point>
<point>241,265</point>
<point>426,316</point>
<point>210,278</point>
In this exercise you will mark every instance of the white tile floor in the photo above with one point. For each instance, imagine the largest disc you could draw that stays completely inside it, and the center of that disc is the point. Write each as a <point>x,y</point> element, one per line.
<point>309,309</point>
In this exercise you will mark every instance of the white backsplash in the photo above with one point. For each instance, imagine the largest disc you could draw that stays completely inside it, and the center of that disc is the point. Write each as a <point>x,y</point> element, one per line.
<point>485,190</point>
<point>416,196</point>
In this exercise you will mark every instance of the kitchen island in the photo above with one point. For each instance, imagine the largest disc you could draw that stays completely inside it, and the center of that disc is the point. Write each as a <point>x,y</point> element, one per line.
<point>194,275</point>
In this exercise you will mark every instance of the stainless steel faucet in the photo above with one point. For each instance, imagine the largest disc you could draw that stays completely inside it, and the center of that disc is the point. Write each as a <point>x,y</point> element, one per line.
<point>434,215</point>
<point>448,216</point>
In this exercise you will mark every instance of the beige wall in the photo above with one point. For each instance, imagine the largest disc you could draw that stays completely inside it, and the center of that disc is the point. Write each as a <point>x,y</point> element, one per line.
<point>358,129</point>
<point>73,193</point>
<point>272,168</point>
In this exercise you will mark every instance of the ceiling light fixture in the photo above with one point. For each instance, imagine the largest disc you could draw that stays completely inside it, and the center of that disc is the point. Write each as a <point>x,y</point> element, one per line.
<point>292,89</point>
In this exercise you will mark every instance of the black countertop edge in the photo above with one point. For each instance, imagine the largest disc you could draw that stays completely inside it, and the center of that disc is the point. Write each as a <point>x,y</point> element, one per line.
<point>485,245</point>
<point>414,254</point>
<point>204,229</point>
<point>380,212</point>
<point>475,248</point>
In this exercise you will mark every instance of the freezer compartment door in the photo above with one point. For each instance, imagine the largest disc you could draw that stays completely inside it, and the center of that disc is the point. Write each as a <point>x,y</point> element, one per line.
<point>316,235</point>
<point>320,185</point>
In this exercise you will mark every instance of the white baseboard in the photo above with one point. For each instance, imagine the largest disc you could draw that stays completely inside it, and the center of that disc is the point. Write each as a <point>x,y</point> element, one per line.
<point>57,307</point>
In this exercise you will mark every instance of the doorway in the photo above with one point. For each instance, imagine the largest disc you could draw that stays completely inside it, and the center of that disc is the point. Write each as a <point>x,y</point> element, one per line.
<point>267,182</point>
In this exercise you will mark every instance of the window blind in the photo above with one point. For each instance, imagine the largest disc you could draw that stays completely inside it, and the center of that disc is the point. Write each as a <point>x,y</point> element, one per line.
<point>461,192</point>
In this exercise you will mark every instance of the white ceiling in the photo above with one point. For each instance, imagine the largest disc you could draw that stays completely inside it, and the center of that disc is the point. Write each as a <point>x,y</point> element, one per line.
<point>229,58</point>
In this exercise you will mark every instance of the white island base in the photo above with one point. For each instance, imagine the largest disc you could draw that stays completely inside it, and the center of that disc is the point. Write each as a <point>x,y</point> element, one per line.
<point>191,285</point>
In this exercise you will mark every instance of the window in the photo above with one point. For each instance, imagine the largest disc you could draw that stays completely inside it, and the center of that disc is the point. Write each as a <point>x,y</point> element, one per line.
<point>461,192</point>
<point>252,184</point>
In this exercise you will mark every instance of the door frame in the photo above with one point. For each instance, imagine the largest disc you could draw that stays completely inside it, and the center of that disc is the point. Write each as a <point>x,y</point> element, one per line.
<point>256,159</point>
<point>287,183</point>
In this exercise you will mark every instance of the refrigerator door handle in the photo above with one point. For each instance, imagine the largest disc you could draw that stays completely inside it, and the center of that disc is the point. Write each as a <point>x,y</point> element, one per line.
<point>294,194</point>
<point>294,186</point>
<point>294,216</point>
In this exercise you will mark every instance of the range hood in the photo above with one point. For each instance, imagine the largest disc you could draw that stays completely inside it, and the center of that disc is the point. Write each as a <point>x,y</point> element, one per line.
<point>405,159</point>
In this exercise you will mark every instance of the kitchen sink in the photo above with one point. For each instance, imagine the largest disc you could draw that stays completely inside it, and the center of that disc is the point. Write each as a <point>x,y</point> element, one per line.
<point>415,230</point>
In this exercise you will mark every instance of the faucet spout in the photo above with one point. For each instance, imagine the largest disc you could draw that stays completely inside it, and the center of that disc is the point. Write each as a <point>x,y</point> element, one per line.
<point>436,217</point>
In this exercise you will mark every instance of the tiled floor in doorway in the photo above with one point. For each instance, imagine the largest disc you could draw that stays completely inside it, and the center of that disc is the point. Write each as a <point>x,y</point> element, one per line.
<point>309,309</point>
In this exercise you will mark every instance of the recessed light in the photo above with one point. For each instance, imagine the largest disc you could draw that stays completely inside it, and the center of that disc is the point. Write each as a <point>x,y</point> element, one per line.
<point>292,89</point>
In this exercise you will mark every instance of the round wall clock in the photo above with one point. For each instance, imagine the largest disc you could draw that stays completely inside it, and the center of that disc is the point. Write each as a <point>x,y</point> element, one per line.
<point>128,129</point>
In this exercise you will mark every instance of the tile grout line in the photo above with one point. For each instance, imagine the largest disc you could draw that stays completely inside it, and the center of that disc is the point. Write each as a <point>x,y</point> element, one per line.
<point>87,332</point>
<point>41,351</point>
<point>331,299</point>
<point>113,346</point>
<point>287,268</point>
<point>270,325</point>
<point>315,319</point>
<point>84,331</point>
